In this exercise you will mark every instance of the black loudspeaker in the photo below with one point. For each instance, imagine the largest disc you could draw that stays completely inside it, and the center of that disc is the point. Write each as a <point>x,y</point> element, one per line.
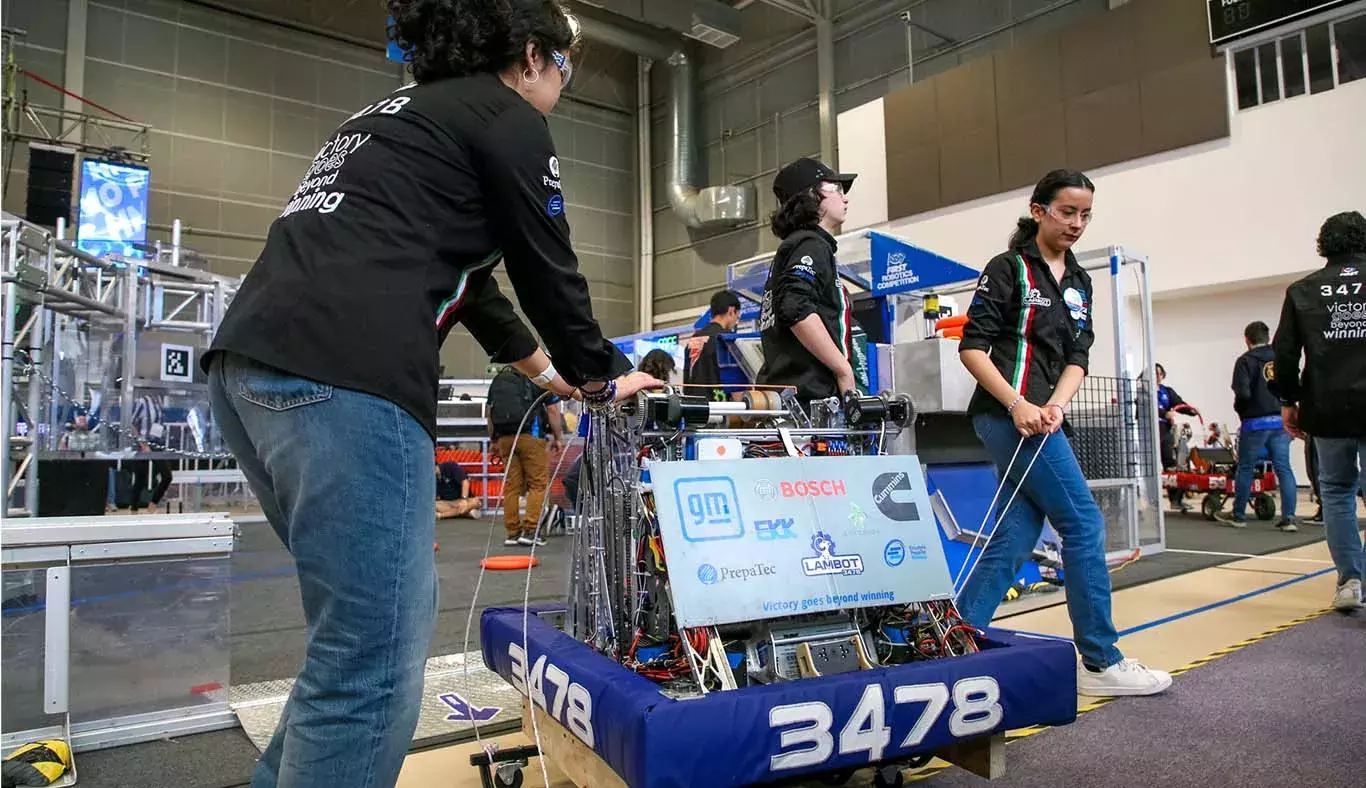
<point>50,173</point>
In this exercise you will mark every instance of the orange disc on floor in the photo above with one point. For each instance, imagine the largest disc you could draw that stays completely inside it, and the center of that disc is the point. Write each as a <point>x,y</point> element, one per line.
<point>496,562</point>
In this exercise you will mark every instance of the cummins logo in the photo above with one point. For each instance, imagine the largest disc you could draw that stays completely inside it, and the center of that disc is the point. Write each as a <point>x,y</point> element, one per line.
<point>885,487</point>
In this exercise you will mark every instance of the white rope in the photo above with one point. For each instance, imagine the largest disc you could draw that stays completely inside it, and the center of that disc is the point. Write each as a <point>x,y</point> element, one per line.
<point>970,564</point>
<point>526,600</point>
<point>488,547</point>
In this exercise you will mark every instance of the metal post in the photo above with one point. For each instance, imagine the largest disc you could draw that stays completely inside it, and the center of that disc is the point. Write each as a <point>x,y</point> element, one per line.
<point>219,297</point>
<point>1150,348</point>
<point>825,80</point>
<point>130,349</point>
<point>7,415</point>
<point>910,47</point>
<point>37,341</point>
<point>645,203</point>
<point>1126,403</point>
<point>175,242</point>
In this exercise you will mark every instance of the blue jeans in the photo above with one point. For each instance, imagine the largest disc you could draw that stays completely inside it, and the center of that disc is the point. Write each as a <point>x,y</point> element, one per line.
<point>348,481</point>
<point>1275,443</point>
<point>1056,489</point>
<point>1342,472</point>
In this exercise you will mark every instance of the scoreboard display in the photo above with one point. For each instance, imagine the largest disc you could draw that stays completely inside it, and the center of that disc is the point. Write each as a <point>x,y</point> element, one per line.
<point>1232,19</point>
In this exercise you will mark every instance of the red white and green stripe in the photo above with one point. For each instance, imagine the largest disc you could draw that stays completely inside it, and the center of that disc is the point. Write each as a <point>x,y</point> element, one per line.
<point>1023,352</point>
<point>452,303</point>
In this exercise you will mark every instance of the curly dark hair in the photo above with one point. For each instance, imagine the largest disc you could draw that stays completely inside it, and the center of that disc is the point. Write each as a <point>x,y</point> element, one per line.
<point>657,364</point>
<point>1343,233</point>
<point>457,38</point>
<point>802,212</point>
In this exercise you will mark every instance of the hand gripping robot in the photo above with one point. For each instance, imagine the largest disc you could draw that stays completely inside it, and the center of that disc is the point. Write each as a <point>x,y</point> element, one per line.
<point>758,593</point>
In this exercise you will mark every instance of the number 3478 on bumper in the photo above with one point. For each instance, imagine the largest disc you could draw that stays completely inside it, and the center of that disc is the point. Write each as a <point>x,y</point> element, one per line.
<point>806,737</point>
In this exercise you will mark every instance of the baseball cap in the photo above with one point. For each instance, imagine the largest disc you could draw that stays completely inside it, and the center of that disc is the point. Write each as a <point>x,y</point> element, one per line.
<point>805,173</point>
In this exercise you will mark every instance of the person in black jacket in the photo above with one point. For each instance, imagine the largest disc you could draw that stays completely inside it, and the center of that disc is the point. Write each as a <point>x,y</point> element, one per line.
<point>1323,320</point>
<point>323,373</point>
<point>1262,430</point>
<point>806,318</point>
<point>1028,342</point>
<point>701,366</point>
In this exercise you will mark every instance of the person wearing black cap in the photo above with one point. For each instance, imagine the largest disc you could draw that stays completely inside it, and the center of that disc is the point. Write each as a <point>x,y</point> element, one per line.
<point>806,319</point>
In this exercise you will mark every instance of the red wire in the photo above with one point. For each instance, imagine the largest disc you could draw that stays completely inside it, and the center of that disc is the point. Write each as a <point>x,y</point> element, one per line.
<point>81,99</point>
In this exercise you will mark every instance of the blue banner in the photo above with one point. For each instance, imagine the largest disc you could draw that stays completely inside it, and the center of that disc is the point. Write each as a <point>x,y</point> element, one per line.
<point>899,267</point>
<point>764,733</point>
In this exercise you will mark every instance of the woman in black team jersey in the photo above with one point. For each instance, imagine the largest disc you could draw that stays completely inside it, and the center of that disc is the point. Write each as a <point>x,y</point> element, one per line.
<point>1027,342</point>
<point>323,374</point>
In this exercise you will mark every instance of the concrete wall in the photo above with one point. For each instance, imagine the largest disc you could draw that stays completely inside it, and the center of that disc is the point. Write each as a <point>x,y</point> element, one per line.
<point>758,107</point>
<point>239,107</point>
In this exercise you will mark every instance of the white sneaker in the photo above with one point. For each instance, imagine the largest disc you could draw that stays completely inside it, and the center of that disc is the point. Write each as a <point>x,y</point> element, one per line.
<point>528,540</point>
<point>1348,597</point>
<point>475,514</point>
<point>1126,677</point>
<point>511,541</point>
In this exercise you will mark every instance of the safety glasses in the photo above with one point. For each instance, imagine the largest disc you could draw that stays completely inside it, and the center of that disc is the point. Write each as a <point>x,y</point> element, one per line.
<point>566,68</point>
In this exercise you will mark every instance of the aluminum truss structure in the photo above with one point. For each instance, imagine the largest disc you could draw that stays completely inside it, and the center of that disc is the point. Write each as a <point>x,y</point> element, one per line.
<point>47,283</point>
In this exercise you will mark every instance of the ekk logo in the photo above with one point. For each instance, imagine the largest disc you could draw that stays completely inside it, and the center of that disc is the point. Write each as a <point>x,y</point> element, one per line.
<point>773,530</point>
<point>827,562</point>
<point>709,509</point>
<point>885,486</point>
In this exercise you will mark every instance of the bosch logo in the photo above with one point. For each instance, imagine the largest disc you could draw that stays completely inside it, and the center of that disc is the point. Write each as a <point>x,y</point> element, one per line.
<point>763,489</point>
<point>816,488</point>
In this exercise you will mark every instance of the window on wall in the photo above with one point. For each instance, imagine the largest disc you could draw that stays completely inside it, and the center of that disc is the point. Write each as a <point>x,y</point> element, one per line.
<point>1312,60</point>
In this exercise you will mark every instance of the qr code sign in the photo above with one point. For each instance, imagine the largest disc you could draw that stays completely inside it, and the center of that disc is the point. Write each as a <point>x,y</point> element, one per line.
<point>177,362</point>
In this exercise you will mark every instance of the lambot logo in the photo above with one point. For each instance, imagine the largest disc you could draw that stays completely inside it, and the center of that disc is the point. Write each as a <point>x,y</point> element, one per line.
<point>827,561</point>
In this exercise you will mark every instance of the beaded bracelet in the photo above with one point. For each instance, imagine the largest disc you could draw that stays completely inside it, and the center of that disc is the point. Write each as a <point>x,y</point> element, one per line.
<point>602,397</point>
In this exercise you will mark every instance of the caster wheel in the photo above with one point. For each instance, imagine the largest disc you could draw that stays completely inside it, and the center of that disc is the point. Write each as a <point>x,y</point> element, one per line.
<point>1265,507</point>
<point>1211,505</point>
<point>508,777</point>
<point>888,777</point>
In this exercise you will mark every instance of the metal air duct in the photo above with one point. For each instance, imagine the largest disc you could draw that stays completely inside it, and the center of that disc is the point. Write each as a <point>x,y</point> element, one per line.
<point>708,207</point>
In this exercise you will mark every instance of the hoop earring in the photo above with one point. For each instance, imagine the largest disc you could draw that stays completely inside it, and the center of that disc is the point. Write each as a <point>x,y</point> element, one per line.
<point>528,81</point>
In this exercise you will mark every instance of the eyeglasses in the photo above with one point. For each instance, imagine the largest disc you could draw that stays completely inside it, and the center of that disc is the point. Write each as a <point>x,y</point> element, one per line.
<point>1069,215</point>
<point>566,68</point>
<point>831,187</point>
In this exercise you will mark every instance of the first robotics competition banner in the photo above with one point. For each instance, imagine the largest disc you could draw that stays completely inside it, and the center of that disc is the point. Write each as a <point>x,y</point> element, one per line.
<point>753,539</point>
<point>766,733</point>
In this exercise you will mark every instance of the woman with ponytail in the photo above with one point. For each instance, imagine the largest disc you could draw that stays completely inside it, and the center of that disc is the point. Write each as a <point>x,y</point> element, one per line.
<point>1027,342</point>
<point>323,374</point>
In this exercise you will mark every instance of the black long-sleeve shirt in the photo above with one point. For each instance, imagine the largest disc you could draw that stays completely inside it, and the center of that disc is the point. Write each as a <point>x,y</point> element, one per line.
<point>1324,319</point>
<point>1031,325</point>
<point>701,365</point>
<point>392,238</point>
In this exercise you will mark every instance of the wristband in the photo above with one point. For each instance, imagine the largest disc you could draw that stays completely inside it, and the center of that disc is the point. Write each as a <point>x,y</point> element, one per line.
<point>547,375</point>
<point>602,397</point>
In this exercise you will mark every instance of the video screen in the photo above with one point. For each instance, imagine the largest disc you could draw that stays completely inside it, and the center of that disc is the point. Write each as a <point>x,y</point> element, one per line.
<point>113,208</point>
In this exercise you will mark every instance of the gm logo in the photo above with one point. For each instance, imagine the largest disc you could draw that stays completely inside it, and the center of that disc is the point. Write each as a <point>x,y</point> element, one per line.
<point>706,573</point>
<point>885,486</point>
<point>709,509</point>
<point>894,553</point>
<point>773,530</point>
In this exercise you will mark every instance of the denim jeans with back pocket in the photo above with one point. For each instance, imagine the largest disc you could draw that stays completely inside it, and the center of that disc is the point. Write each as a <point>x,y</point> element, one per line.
<point>348,482</point>
<point>1054,488</point>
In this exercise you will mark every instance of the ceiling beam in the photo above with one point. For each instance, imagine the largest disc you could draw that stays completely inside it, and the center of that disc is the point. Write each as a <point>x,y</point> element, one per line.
<point>801,8</point>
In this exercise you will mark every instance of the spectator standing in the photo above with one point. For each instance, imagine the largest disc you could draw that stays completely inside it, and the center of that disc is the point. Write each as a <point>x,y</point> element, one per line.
<point>700,364</point>
<point>1262,430</point>
<point>515,403</point>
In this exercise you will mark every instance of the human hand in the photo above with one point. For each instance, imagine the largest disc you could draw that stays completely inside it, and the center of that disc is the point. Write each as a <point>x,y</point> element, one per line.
<point>628,385</point>
<point>1290,416</point>
<point>844,380</point>
<point>1053,416</point>
<point>1028,418</point>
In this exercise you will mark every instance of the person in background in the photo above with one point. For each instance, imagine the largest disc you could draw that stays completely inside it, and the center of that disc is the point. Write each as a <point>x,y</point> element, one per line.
<point>700,364</point>
<point>1262,431</point>
<point>806,318</point>
<point>151,478</point>
<point>1027,342</point>
<point>1323,322</point>
<point>1168,402</point>
<point>453,497</point>
<point>519,423</point>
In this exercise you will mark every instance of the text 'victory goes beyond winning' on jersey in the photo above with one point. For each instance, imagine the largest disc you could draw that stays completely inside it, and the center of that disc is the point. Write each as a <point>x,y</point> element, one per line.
<point>392,238</point>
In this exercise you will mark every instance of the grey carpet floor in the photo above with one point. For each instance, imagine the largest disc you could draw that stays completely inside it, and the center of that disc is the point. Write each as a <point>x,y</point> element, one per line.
<point>1284,711</point>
